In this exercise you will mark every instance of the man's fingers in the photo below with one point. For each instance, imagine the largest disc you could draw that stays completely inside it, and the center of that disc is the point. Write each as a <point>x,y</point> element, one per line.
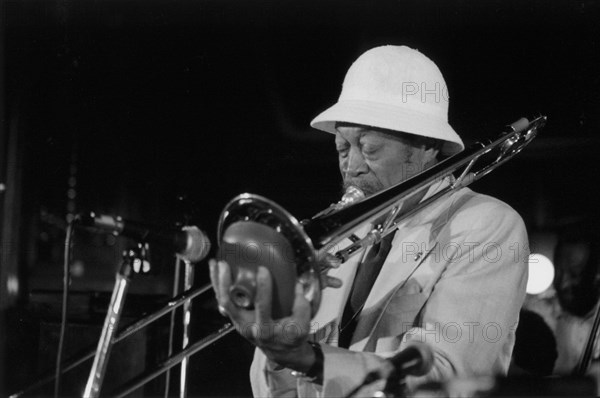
<point>329,261</point>
<point>262,300</point>
<point>214,276</point>
<point>301,308</point>
<point>333,282</point>
<point>224,284</point>
<point>333,261</point>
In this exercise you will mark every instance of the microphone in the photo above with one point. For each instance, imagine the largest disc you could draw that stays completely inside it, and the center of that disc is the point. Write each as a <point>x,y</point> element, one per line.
<point>189,242</point>
<point>414,360</point>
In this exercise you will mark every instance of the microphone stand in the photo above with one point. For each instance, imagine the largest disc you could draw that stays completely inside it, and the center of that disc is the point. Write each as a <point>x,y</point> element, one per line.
<point>188,281</point>
<point>172,326</point>
<point>132,259</point>
<point>395,386</point>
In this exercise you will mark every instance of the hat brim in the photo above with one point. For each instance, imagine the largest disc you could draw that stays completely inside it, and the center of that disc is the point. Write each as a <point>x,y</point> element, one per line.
<point>391,118</point>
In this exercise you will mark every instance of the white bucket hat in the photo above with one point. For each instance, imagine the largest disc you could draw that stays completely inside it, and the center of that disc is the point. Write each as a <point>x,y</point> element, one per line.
<point>394,88</point>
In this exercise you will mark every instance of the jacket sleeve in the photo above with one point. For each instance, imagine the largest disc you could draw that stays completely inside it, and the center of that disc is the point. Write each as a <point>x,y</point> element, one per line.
<point>344,370</point>
<point>268,380</point>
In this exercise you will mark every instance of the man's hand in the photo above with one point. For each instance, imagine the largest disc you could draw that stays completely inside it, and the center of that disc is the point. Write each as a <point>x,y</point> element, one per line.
<point>328,262</point>
<point>284,341</point>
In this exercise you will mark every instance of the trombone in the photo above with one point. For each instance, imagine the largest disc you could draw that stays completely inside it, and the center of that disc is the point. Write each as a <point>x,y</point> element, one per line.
<point>250,220</point>
<point>300,246</point>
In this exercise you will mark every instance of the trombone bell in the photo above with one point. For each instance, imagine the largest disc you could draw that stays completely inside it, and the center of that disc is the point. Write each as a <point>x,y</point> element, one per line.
<point>254,231</point>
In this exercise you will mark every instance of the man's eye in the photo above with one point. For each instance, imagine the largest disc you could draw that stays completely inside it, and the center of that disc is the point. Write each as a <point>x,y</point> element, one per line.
<point>369,150</point>
<point>343,152</point>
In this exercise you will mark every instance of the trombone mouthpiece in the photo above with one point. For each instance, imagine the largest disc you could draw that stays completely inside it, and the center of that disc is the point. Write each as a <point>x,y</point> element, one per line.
<point>352,195</point>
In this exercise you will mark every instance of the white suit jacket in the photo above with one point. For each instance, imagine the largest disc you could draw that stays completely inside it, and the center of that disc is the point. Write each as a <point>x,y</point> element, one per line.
<point>454,278</point>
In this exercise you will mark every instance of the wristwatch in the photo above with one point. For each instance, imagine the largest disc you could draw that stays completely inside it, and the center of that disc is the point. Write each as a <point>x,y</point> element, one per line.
<point>315,373</point>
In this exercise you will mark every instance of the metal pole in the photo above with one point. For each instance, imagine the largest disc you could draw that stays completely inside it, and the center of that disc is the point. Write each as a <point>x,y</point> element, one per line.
<point>111,322</point>
<point>176,277</point>
<point>187,315</point>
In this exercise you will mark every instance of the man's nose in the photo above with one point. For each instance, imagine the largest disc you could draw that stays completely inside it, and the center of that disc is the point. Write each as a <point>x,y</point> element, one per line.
<point>355,164</point>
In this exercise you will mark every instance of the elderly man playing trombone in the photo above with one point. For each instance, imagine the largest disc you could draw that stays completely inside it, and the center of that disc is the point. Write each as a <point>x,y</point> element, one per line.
<point>451,277</point>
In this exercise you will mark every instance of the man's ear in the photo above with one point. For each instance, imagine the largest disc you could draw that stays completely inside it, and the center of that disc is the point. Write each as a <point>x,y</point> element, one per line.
<point>430,156</point>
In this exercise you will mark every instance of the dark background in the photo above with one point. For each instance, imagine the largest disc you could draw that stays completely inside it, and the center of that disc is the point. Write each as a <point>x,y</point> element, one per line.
<point>163,111</point>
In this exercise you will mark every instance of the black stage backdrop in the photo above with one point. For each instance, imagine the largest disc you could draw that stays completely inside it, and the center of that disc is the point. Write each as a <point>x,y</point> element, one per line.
<point>162,111</point>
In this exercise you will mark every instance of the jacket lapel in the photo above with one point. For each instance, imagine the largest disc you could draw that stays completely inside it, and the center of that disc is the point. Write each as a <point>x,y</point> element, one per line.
<point>409,250</point>
<point>333,300</point>
<point>412,246</point>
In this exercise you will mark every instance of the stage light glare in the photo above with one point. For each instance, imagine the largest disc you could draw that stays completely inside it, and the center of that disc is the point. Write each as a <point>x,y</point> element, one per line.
<point>541,273</point>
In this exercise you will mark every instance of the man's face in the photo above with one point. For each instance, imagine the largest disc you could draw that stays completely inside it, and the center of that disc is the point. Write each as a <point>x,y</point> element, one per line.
<point>373,159</point>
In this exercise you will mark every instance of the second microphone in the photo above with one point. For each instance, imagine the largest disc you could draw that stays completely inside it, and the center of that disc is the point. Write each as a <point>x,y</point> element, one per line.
<point>188,242</point>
